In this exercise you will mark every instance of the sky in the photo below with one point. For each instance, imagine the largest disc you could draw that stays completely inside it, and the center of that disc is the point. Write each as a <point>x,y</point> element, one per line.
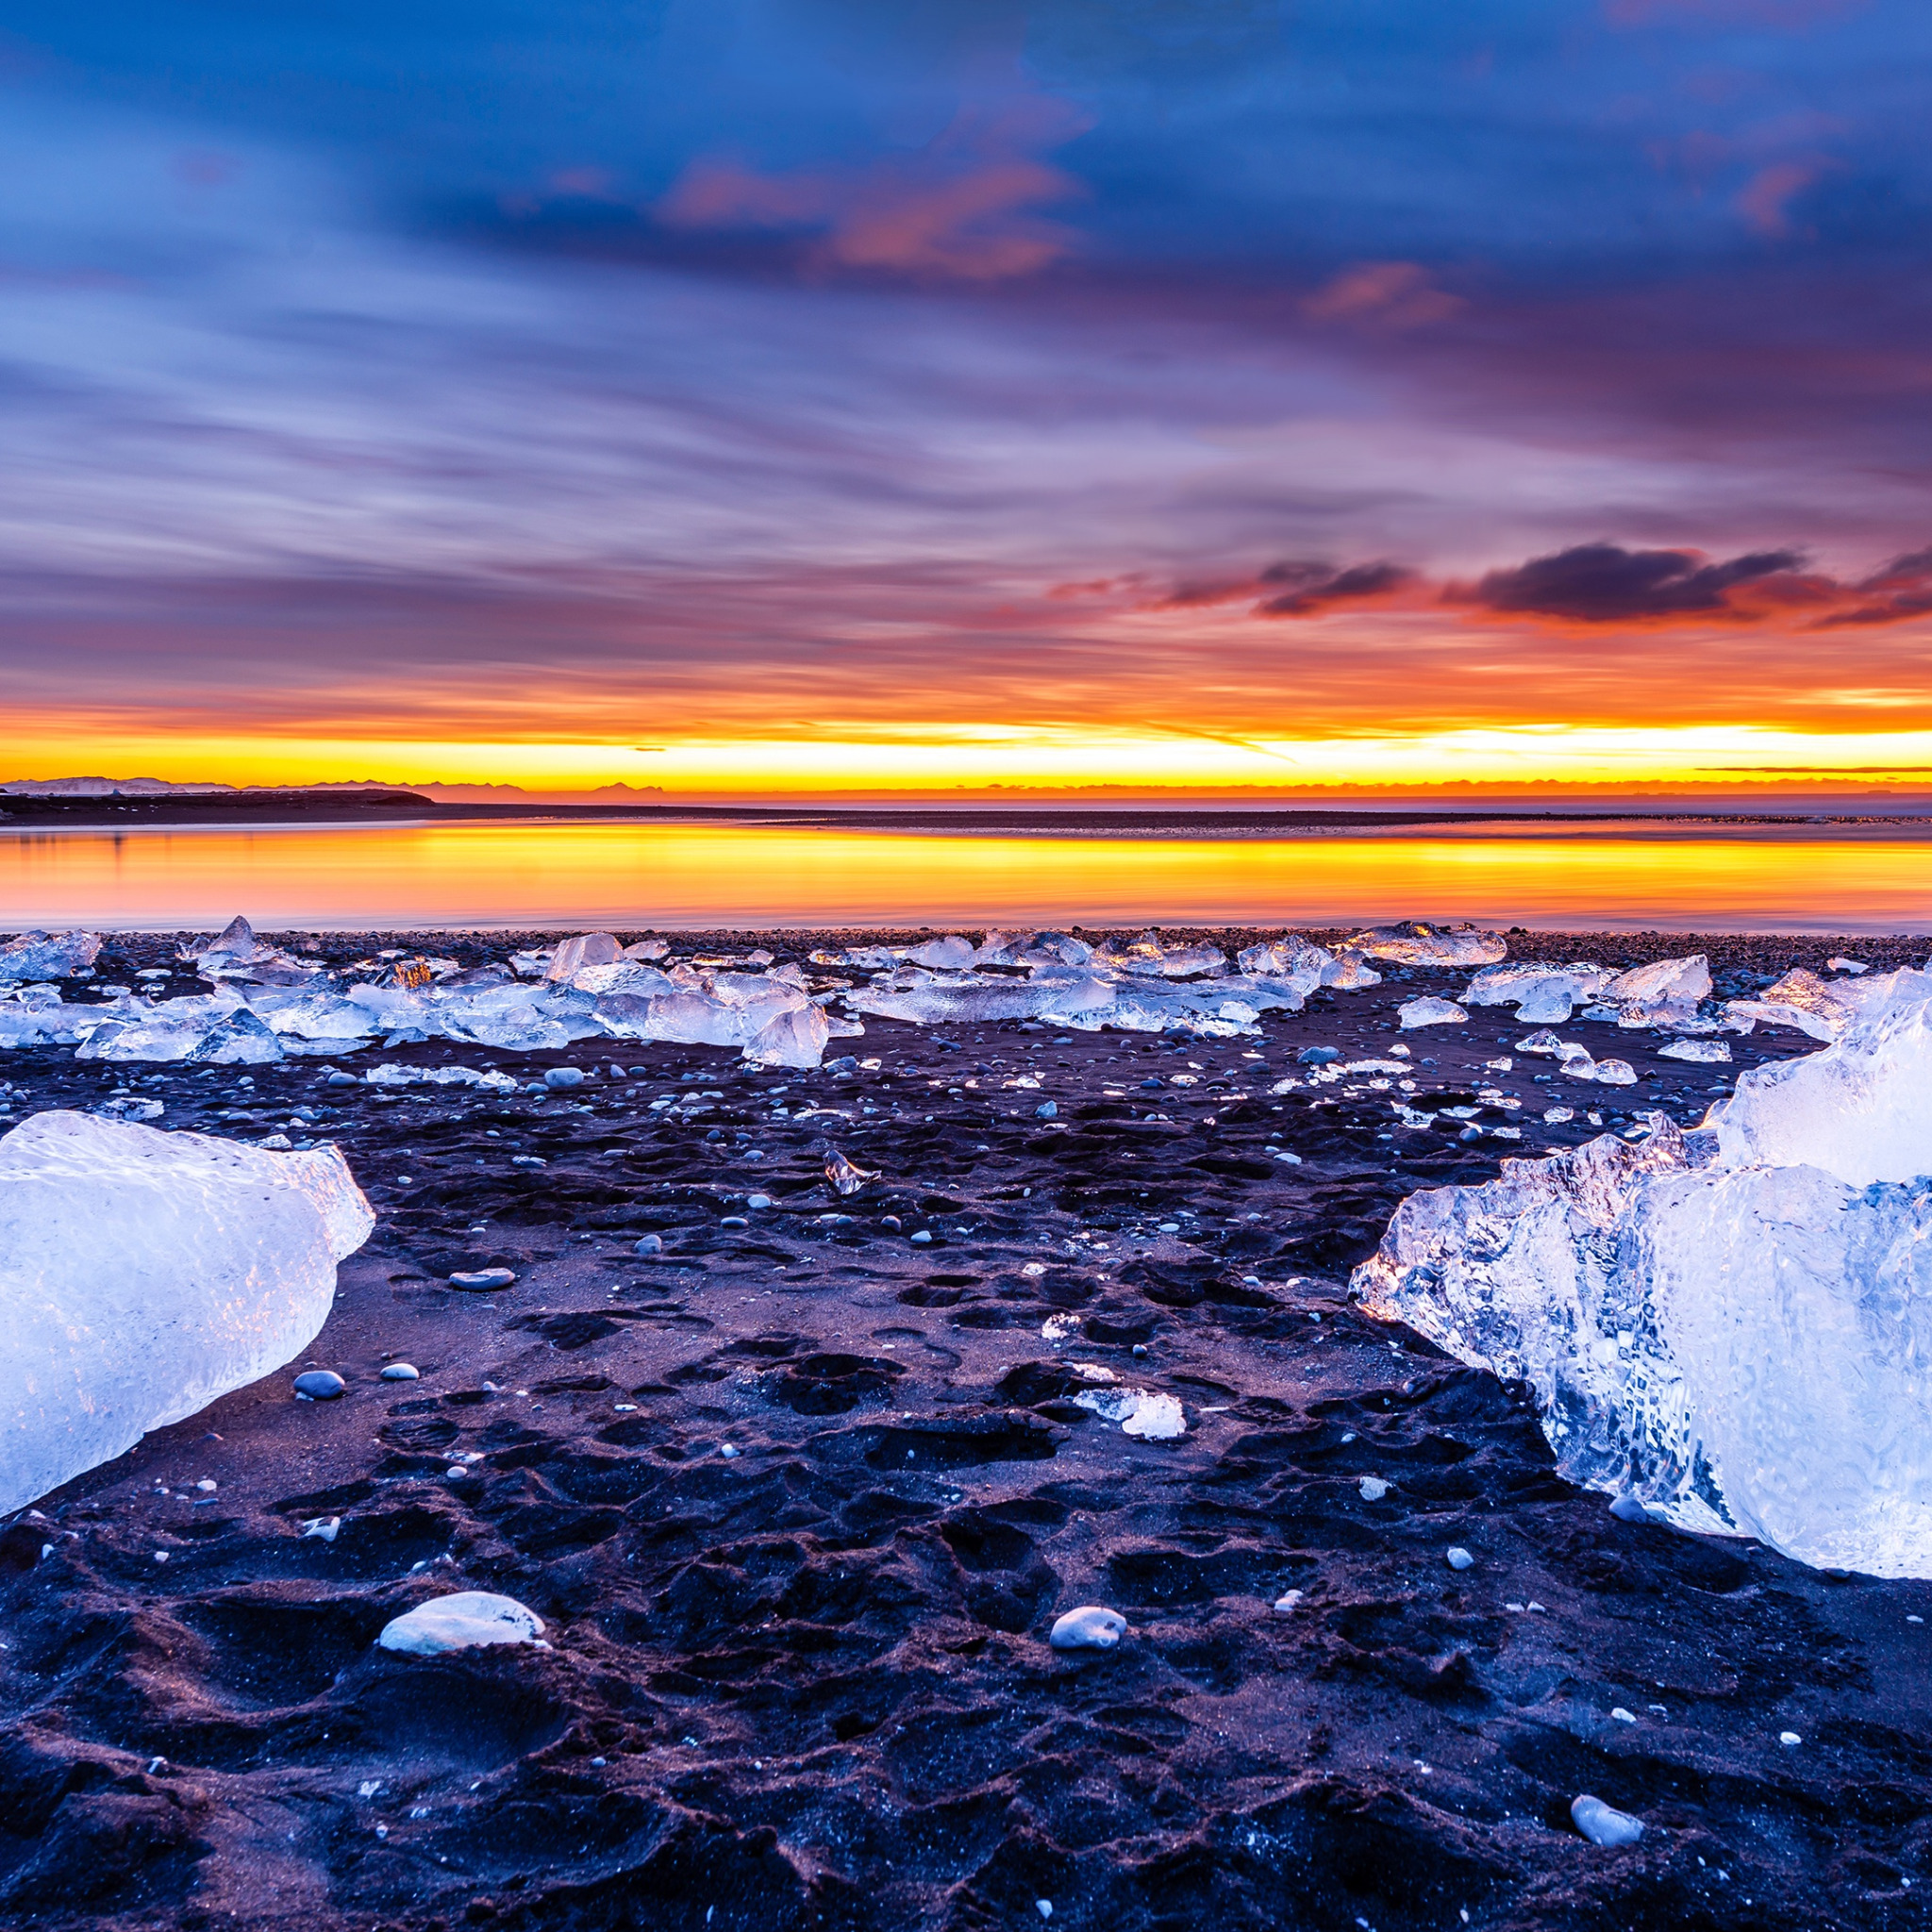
<point>759,396</point>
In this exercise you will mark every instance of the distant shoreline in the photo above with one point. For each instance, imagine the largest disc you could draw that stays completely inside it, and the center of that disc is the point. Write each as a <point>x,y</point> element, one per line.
<point>294,808</point>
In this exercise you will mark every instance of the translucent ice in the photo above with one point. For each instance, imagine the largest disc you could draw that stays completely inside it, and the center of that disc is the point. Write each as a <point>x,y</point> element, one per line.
<point>1415,943</point>
<point>1710,1051</point>
<point>587,949</point>
<point>48,955</point>
<point>143,1274</point>
<point>1540,991</point>
<point>1732,1326</point>
<point>466,1619</point>
<point>1663,982</point>
<point>1825,1008</point>
<point>1430,1012</point>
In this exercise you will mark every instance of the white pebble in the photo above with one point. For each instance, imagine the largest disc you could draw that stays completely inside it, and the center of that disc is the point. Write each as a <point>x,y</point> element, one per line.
<point>1789,1737</point>
<point>1090,1627</point>
<point>1623,1716</point>
<point>1458,1558</point>
<point>1372,1487</point>
<point>399,1371</point>
<point>1044,1907</point>
<point>1603,1825</point>
<point>464,1620</point>
<point>1288,1599</point>
<point>324,1527</point>
<point>729,1451</point>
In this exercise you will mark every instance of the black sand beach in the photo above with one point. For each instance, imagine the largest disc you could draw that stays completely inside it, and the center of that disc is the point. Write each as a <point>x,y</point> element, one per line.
<point>800,1495</point>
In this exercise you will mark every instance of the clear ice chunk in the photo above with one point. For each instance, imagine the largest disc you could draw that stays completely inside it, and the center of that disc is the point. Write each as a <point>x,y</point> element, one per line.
<point>48,955</point>
<point>1416,942</point>
<point>1731,1326</point>
<point>1430,1012</point>
<point>143,1273</point>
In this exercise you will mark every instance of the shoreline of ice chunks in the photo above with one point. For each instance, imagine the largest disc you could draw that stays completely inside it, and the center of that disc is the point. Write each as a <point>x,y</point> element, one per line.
<point>49,955</point>
<point>1146,987</point>
<point>143,1274</point>
<point>1827,1009</point>
<point>1729,1328</point>
<point>270,1006</point>
<point>1667,996</point>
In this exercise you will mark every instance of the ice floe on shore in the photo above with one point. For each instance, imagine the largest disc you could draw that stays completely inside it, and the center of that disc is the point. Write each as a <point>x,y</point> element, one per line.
<point>143,1274</point>
<point>1731,1326</point>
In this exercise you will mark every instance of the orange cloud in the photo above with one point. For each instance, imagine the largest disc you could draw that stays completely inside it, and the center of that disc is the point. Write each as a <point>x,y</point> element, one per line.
<point>960,209</point>
<point>1390,294</point>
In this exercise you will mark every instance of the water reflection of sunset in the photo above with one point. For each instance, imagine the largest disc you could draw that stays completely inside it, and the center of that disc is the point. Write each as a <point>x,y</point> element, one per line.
<point>729,876</point>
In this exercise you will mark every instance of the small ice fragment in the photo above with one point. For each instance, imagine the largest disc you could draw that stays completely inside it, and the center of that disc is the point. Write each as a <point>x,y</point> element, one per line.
<point>730,1452</point>
<point>1415,943</point>
<point>320,1385</point>
<point>1623,1716</point>
<point>757,1200</point>
<point>323,1528</point>
<point>1288,1599</point>
<point>1841,965</point>
<point>1044,1907</point>
<point>1047,1111</point>
<point>464,1620</point>
<point>1373,1488</point>
<point>847,1176</point>
<point>1603,1825</point>
<point>399,1371</point>
<point>1788,1738</point>
<point>1555,1116</point>
<point>1431,1011</point>
<point>1458,1558</point>
<point>1628,1508</point>
<point>1090,1627</point>
<point>1704,1052</point>
<point>482,1277</point>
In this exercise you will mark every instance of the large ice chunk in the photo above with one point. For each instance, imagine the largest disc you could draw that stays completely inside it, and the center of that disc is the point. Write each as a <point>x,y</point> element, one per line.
<point>1543,993</point>
<point>1825,1008</point>
<point>1732,1326</point>
<point>1416,942</point>
<point>49,955</point>
<point>143,1274</point>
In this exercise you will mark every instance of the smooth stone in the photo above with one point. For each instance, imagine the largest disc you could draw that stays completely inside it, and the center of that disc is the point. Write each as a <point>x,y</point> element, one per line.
<point>320,1385</point>
<point>1604,1824</point>
<point>734,1221</point>
<point>343,1080</point>
<point>564,1076</point>
<point>1317,1056</point>
<point>757,1200</point>
<point>1090,1627</point>
<point>922,1237</point>
<point>1628,1509</point>
<point>1373,1488</point>
<point>483,1277</point>
<point>465,1621</point>
<point>649,1244</point>
<point>1460,1558</point>
<point>1047,1111</point>
<point>399,1371</point>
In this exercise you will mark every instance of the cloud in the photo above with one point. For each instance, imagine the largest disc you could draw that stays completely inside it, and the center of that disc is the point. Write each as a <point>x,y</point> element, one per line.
<point>1390,294</point>
<point>1765,200</point>
<point>1603,583</point>
<point>1325,588</point>
<point>960,209</point>
<point>1901,590</point>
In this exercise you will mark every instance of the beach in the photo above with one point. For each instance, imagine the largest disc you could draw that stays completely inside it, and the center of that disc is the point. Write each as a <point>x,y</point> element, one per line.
<point>799,1491</point>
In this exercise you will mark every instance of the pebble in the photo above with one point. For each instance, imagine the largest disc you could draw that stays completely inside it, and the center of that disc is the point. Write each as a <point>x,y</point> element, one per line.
<point>757,1200</point>
<point>468,1619</point>
<point>922,1237</point>
<point>1604,1824</point>
<point>892,1222</point>
<point>1628,1509</point>
<point>399,1371</point>
<point>1288,1599</point>
<point>564,1076</point>
<point>1317,1056</point>
<point>1458,1558</point>
<point>343,1080</point>
<point>1788,1738</point>
<point>1047,1111</point>
<point>1090,1627</point>
<point>729,1451</point>
<point>482,1277</point>
<point>649,1244</point>
<point>320,1385</point>
<point>1372,1487</point>
<point>734,1221</point>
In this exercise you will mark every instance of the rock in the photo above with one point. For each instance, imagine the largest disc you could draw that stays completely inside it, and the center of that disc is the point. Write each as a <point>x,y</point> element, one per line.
<point>320,1385</point>
<point>483,1277</point>
<point>143,1273</point>
<point>466,1621</point>
<point>922,1237</point>
<point>342,1080</point>
<point>399,1371</point>
<point>1373,1488</point>
<point>1603,1825</point>
<point>564,1076</point>
<point>1047,1111</point>
<point>1090,1627</point>
<point>1318,1055</point>
<point>1458,1558</point>
<point>649,1244</point>
<point>757,1200</point>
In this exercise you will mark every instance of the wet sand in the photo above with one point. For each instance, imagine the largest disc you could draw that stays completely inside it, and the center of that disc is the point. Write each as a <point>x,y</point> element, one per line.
<point>807,1683</point>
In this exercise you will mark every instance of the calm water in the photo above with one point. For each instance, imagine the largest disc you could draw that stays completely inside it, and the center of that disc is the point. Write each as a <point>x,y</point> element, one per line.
<point>540,874</point>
